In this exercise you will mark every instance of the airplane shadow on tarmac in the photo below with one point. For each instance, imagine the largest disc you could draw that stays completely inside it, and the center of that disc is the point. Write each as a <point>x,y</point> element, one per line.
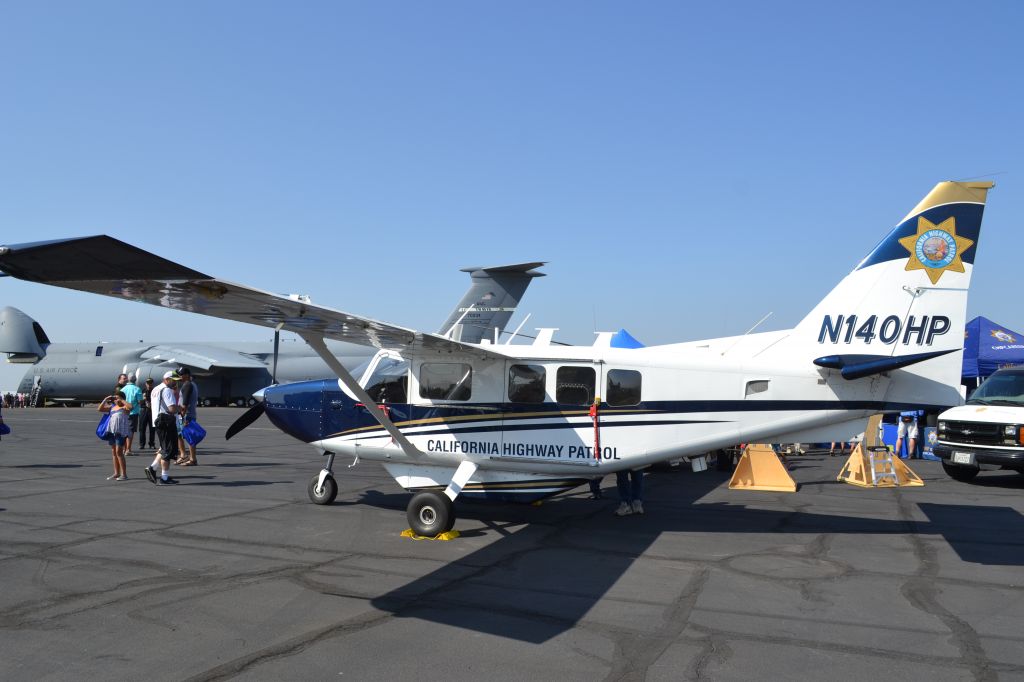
<point>538,582</point>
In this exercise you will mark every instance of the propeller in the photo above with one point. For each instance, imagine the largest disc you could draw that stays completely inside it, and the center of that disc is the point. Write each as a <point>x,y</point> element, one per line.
<point>250,415</point>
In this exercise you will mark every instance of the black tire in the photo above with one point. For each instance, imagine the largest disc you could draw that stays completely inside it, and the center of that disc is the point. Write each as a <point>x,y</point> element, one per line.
<point>430,514</point>
<point>327,494</point>
<point>960,473</point>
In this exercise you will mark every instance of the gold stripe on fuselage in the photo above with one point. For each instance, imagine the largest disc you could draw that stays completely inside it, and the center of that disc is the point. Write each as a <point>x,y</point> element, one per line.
<point>485,417</point>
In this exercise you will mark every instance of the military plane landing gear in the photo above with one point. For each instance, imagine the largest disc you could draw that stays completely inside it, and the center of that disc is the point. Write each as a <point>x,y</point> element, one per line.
<point>323,488</point>
<point>430,514</point>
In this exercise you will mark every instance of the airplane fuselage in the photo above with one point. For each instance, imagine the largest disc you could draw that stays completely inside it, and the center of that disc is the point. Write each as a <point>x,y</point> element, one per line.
<point>528,417</point>
<point>88,371</point>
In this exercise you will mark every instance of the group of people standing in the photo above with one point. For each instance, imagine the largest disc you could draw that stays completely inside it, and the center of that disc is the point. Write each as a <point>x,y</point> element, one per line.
<point>15,399</point>
<point>162,410</point>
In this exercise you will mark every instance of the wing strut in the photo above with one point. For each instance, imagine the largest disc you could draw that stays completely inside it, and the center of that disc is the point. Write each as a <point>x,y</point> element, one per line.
<point>460,479</point>
<point>318,345</point>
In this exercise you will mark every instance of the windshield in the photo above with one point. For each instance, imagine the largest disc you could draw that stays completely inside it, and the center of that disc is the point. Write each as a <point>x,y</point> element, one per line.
<point>388,382</point>
<point>1000,388</point>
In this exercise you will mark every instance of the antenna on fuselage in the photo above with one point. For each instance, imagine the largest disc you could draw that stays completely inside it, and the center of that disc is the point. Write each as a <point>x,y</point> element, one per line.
<point>756,325</point>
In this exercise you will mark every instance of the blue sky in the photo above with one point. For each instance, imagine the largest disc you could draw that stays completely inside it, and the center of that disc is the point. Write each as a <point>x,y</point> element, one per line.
<point>686,168</point>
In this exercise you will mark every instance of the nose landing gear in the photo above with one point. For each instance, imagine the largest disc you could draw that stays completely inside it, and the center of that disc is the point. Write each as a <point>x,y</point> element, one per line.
<point>323,488</point>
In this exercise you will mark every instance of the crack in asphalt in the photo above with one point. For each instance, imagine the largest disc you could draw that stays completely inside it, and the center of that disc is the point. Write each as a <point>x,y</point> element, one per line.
<point>638,652</point>
<point>923,594</point>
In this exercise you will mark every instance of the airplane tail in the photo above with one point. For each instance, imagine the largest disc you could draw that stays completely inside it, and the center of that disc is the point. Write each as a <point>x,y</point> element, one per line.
<point>21,337</point>
<point>905,304</point>
<point>490,301</point>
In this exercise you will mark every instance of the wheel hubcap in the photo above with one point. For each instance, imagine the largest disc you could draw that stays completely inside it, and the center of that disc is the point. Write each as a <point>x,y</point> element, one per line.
<point>428,515</point>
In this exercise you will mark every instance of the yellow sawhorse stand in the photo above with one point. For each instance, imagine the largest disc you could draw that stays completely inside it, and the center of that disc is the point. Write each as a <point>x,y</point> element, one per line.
<point>760,469</point>
<point>871,465</point>
<point>877,470</point>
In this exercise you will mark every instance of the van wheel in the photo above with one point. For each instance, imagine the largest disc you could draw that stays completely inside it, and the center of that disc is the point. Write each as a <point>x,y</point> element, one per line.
<point>960,473</point>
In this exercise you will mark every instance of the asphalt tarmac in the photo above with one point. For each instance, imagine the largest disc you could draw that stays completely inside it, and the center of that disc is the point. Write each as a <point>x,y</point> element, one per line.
<point>233,574</point>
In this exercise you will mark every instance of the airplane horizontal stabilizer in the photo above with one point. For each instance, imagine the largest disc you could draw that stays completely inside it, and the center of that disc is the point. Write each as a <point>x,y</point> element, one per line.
<point>860,366</point>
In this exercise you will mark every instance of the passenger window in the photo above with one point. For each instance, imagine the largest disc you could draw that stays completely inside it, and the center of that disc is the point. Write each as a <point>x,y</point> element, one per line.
<point>526,384</point>
<point>575,385</point>
<point>623,387</point>
<point>446,380</point>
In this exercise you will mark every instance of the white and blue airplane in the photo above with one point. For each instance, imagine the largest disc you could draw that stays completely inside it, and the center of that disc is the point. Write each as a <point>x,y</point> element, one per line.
<point>451,419</point>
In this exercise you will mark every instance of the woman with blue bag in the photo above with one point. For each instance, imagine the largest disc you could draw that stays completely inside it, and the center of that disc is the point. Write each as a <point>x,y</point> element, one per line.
<point>119,428</point>
<point>189,431</point>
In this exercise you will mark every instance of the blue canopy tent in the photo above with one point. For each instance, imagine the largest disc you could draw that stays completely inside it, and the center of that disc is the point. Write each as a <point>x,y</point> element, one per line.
<point>987,347</point>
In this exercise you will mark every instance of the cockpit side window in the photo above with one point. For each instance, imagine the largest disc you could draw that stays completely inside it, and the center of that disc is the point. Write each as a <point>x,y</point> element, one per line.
<point>446,381</point>
<point>389,382</point>
<point>575,385</point>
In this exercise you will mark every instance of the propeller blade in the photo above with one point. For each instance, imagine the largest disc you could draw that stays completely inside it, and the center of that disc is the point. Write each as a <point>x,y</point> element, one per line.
<point>251,415</point>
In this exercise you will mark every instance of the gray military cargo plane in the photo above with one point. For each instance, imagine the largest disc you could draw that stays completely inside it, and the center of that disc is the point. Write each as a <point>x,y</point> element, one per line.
<point>229,373</point>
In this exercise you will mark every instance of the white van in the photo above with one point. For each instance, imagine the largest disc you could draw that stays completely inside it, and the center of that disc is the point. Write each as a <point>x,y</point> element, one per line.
<point>986,433</point>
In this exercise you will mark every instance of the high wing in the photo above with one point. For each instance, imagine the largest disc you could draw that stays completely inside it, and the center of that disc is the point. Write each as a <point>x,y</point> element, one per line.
<point>202,357</point>
<point>104,265</point>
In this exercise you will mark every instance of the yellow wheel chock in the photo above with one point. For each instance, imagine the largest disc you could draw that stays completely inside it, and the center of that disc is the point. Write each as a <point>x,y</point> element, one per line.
<point>760,469</point>
<point>448,535</point>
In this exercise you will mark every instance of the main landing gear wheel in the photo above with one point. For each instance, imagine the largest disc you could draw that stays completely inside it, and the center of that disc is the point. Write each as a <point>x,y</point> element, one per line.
<point>430,514</point>
<point>960,473</point>
<point>326,494</point>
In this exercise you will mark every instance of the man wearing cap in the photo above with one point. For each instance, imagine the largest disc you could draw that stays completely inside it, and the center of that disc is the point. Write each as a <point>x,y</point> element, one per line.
<point>165,407</point>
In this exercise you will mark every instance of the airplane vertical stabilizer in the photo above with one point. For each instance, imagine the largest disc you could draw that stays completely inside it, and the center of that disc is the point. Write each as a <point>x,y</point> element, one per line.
<point>490,301</point>
<point>904,306</point>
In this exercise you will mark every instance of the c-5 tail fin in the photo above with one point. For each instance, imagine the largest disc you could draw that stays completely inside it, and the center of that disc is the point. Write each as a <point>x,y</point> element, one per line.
<point>490,301</point>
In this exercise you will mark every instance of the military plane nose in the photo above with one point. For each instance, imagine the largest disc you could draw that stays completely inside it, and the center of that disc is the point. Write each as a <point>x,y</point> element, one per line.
<point>297,409</point>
